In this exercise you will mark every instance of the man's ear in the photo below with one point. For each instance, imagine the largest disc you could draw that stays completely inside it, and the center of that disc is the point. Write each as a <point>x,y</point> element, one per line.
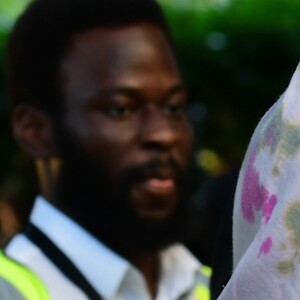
<point>33,131</point>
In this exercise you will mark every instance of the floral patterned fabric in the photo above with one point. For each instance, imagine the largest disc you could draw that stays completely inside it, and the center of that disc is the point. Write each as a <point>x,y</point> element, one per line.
<point>266,218</point>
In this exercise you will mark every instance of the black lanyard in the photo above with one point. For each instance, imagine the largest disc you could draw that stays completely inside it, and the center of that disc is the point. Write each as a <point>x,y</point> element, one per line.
<point>63,263</point>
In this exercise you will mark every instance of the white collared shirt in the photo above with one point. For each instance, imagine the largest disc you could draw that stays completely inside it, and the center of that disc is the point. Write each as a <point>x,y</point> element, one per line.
<point>113,277</point>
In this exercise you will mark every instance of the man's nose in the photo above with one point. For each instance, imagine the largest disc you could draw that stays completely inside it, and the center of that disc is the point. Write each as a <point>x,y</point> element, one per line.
<point>157,132</point>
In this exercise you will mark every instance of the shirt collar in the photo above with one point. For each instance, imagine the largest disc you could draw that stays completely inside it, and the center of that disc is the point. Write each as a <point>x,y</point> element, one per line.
<point>103,268</point>
<point>179,270</point>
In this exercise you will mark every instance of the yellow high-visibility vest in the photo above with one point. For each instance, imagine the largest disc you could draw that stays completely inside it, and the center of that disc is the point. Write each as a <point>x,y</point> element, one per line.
<point>24,280</point>
<point>202,291</point>
<point>32,288</point>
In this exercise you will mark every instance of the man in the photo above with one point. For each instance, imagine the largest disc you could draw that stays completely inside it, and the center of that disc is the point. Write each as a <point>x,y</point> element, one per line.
<point>99,104</point>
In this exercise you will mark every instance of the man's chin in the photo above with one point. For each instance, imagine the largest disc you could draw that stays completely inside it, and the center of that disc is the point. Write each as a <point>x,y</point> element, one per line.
<point>153,206</point>
<point>155,215</point>
<point>143,234</point>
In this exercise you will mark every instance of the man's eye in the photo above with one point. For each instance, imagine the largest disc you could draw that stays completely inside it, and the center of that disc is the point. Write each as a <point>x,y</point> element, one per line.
<point>174,109</point>
<point>119,111</point>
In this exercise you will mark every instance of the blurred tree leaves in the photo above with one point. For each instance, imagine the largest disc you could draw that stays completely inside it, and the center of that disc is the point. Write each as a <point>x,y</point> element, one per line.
<point>12,8</point>
<point>11,161</point>
<point>237,60</point>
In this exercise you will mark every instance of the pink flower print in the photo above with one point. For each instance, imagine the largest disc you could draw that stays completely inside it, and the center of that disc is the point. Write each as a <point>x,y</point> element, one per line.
<point>268,208</point>
<point>253,195</point>
<point>266,246</point>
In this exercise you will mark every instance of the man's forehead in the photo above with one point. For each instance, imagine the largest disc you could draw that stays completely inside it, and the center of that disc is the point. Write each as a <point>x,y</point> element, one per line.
<point>129,50</point>
<point>114,36</point>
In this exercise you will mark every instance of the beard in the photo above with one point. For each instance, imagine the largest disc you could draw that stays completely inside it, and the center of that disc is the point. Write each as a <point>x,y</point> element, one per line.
<point>86,193</point>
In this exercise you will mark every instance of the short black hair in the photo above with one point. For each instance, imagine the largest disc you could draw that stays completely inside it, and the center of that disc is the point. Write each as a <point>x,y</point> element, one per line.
<point>41,35</point>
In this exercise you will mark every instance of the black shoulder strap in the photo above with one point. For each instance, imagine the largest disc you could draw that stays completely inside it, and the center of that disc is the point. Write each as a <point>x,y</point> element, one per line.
<point>64,264</point>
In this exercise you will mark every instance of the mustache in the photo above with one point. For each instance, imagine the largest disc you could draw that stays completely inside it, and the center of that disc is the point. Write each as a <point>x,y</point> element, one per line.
<point>153,168</point>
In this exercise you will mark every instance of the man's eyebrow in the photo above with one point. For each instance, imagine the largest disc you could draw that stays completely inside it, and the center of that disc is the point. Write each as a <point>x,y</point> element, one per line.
<point>130,91</point>
<point>135,92</point>
<point>179,88</point>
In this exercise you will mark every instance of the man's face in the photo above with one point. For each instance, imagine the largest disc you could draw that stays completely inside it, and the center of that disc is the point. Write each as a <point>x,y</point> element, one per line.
<point>125,110</point>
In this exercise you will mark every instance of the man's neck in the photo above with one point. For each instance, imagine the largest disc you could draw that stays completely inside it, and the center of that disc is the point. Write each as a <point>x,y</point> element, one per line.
<point>148,264</point>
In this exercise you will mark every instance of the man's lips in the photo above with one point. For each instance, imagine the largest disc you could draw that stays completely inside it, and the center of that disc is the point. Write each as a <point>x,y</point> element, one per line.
<point>160,180</point>
<point>159,185</point>
<point>155,197</point>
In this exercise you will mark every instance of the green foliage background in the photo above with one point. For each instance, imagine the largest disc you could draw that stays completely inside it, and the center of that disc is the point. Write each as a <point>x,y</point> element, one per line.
<point>236,59</point>
<point>12,162</point>
<point>258,51</point>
